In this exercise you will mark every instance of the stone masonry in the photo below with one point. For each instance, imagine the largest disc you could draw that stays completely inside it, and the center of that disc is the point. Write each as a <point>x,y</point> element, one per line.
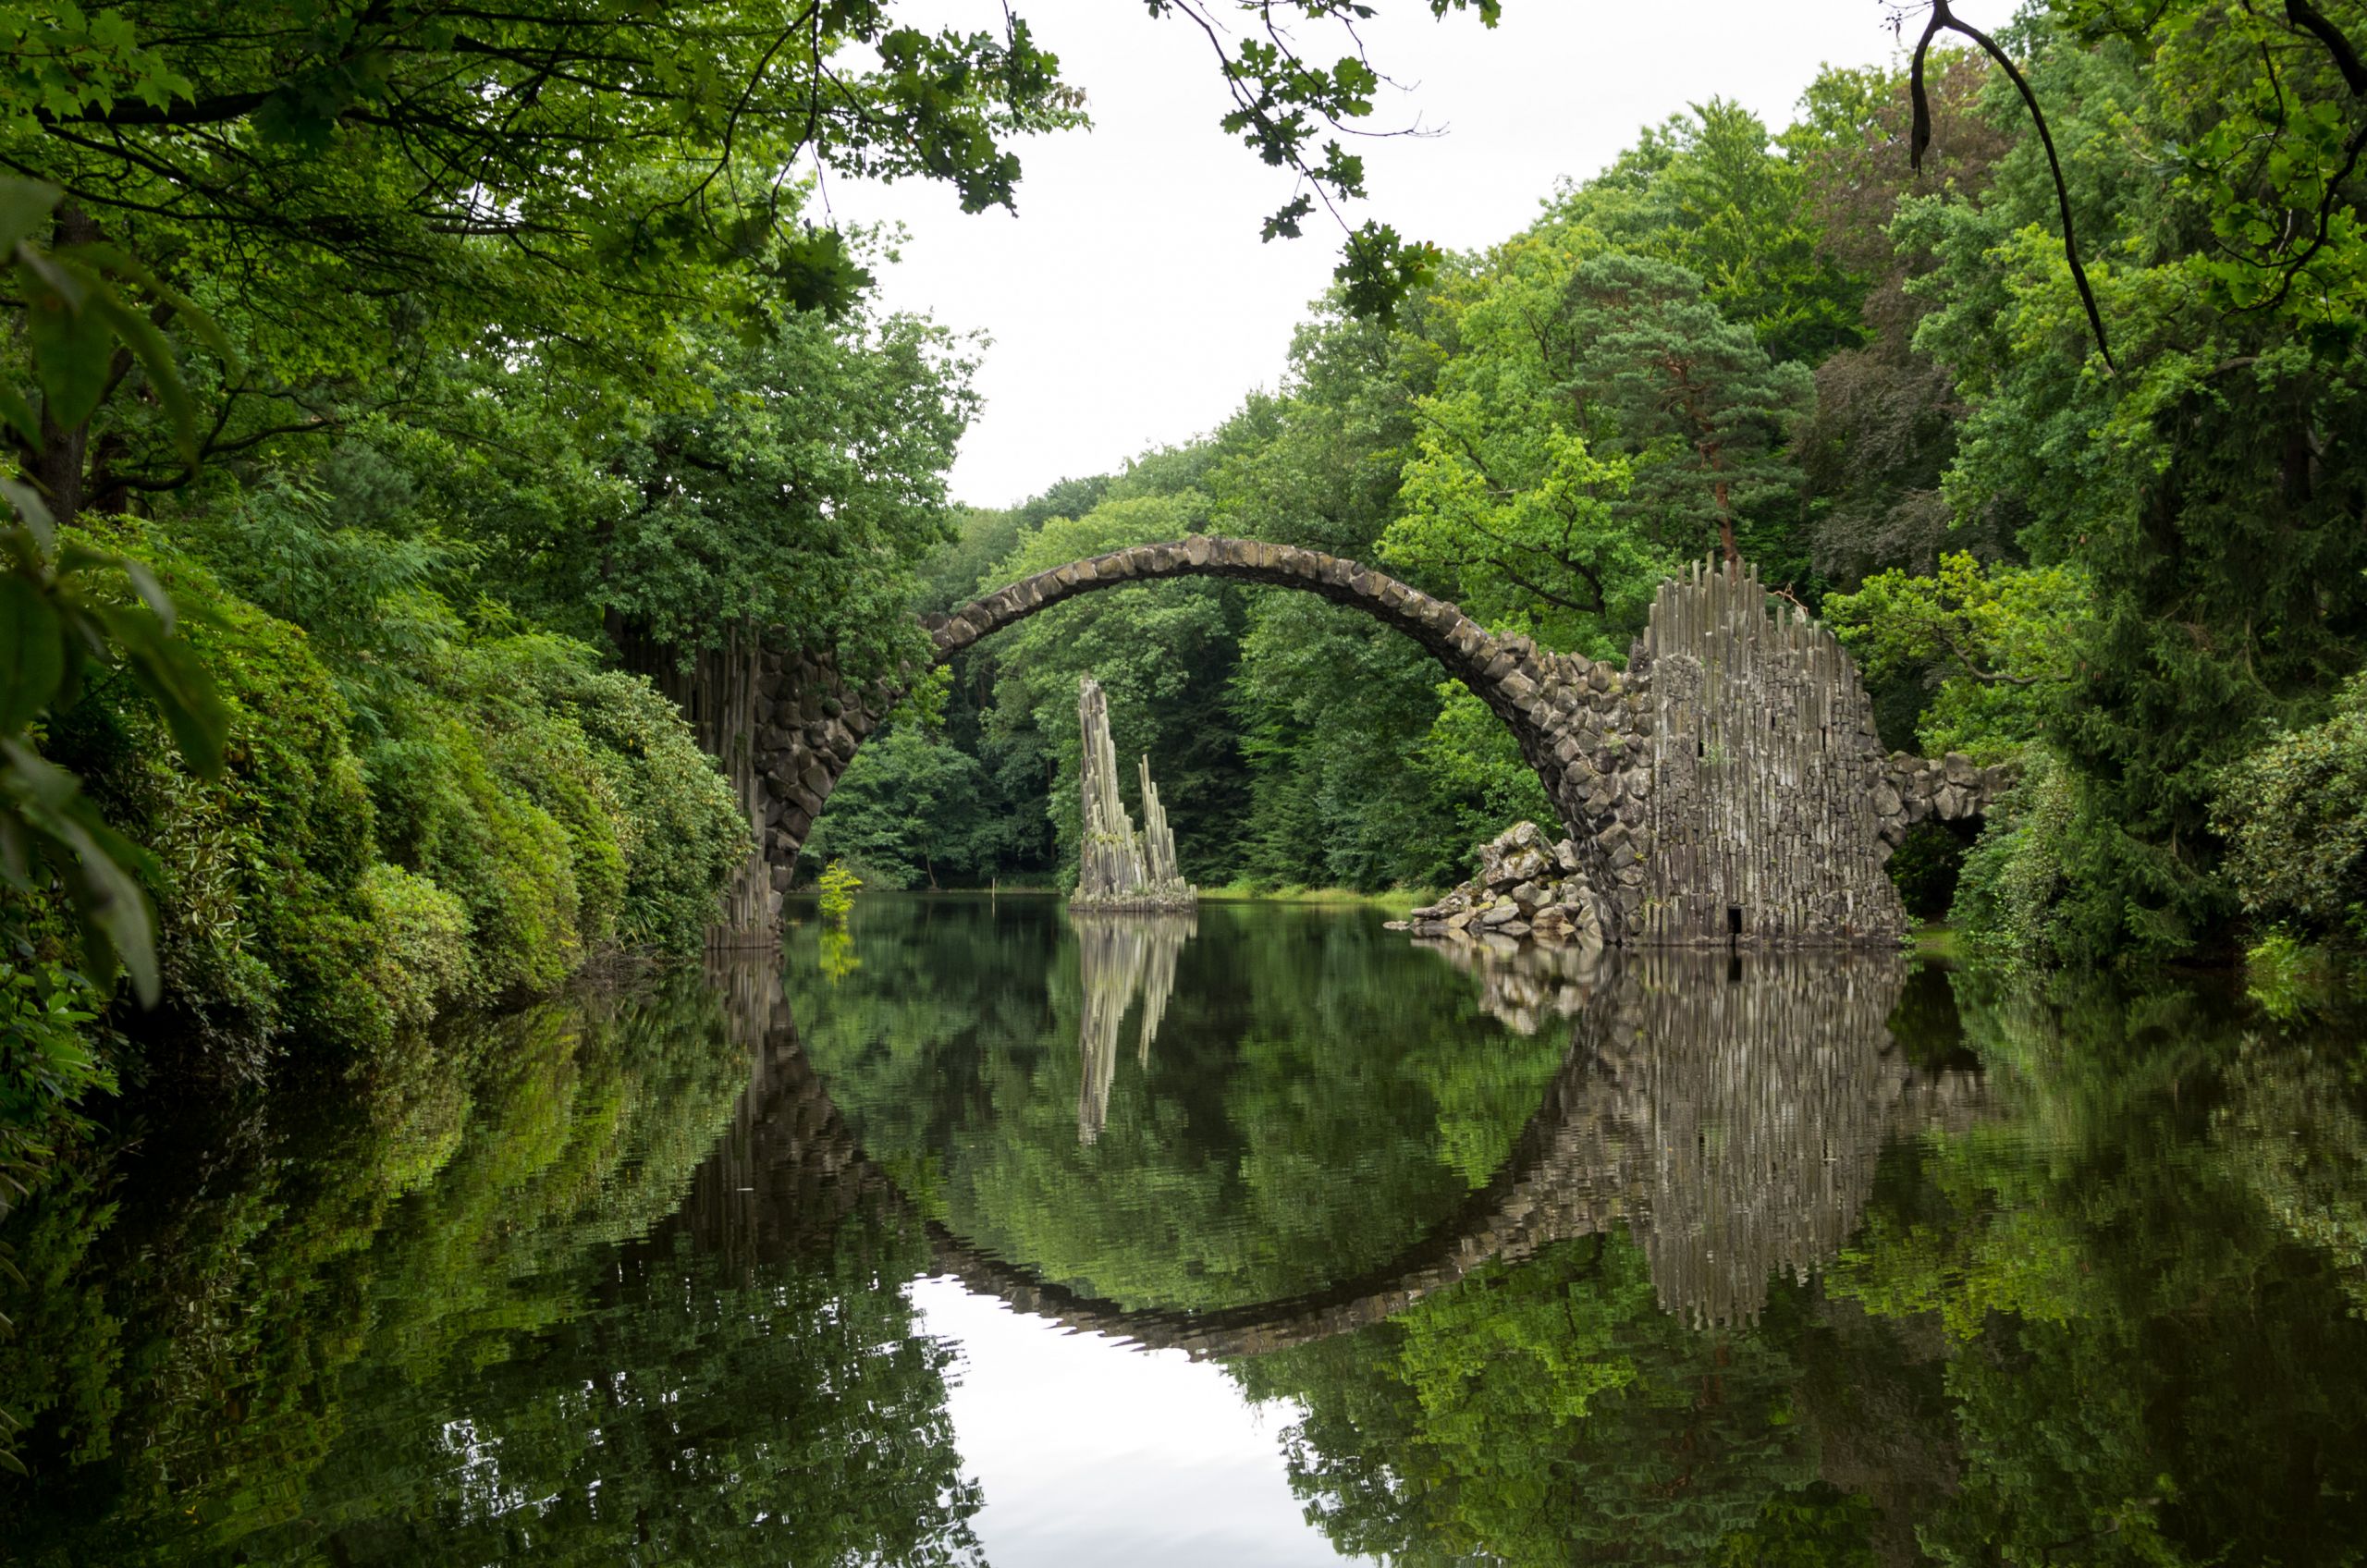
<point>1730,773</point>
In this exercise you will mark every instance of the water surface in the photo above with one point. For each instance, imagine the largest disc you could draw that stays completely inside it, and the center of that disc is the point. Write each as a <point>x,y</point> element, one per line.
<point>979,1233</point>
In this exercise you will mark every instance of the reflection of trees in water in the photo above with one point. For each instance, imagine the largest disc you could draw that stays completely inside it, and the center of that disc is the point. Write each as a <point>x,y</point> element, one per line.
<point>1121,957</point>
<point>1728,1113</point>
<point>1318,1097</point>
<point>2107,1315</point>
<point>2291,1129</point>
<point>418,1326</point>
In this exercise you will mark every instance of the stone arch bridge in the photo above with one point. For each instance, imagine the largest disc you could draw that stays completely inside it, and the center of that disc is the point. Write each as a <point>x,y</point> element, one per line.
<point>1728,786</point>
<point>1728,1114</point>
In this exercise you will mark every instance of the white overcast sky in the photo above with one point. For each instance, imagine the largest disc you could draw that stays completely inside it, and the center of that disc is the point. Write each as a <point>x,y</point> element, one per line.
<point>1129,302</point>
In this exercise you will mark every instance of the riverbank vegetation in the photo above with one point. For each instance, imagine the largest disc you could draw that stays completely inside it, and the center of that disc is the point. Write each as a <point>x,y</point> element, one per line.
<point>374,493</point>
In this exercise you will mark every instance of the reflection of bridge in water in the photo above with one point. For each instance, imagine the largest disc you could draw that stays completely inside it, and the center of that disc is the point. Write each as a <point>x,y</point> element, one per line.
<point>1729,1113</point>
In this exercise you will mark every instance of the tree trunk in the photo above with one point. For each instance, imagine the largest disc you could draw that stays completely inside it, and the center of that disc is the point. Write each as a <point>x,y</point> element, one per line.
<point>60,466</point>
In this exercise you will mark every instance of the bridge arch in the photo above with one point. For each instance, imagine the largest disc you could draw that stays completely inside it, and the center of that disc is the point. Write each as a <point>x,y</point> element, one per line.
<point>1571,716</point>
<point>1727,786</point>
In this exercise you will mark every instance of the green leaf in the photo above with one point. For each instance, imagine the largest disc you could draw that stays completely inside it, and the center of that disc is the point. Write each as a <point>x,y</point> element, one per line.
<point>32,654</point>
<point>151,592</point>
<point>120,262</point>
<point>31,507</point>
<point>16,412</point>
<point>157,355</point>
<point>168,670</point>
<point>71,346</point>
<point>25,207</point>
<point>114,908</point>
<point>97,866</point>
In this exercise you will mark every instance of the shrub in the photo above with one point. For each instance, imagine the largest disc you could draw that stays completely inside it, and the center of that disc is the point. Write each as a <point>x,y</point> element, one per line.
<point>261,925</point>
<point>2012,878</point>
<point>2055,879</point>
<point>514,809</point>
<point>838,888</point>
<point>421,964</point>
<point>2295,817</point>
<point>450,815</point>
<point>568,806</point>
<point>680,828</point>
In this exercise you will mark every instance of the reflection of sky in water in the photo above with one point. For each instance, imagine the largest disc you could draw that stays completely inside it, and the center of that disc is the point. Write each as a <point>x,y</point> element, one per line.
<point>1090,1452</point>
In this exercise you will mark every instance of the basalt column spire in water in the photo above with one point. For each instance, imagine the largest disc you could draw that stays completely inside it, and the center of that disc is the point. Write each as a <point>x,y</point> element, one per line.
<point>1116,867</point>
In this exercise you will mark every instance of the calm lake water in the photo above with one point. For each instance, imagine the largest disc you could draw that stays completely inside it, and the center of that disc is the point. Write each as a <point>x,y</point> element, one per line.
<point>984,1234</point>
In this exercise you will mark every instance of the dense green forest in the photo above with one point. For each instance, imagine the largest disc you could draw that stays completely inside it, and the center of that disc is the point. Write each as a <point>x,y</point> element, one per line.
<point>400,399</point>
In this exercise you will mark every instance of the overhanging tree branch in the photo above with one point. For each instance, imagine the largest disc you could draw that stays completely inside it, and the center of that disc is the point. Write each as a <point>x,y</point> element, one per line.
<point>1920,138</point>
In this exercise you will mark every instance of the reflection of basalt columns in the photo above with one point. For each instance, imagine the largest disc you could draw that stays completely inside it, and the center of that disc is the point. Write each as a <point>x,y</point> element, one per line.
<point>786,1173</point>
<point>1121,957</point>
<point>1118,868</point>
<point>1755,1111</point>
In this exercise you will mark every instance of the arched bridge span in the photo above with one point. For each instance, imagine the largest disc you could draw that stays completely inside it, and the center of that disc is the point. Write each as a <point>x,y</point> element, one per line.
<point>1727,785</point>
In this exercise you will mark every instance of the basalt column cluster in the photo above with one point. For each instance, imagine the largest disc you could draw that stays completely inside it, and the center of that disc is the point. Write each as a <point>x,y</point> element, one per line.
<point>1764,764</point>
<point>1119,869</point>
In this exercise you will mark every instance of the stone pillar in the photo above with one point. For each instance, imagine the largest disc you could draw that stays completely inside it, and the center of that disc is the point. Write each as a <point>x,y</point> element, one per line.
<point>1761,824</point>
<point>1118,868</point>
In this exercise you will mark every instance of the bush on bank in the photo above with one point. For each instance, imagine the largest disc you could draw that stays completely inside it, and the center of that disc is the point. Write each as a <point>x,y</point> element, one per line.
<point>496,813</point>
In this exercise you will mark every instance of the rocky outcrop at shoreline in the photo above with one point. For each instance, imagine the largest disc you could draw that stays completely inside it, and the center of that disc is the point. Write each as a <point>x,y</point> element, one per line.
<point>1526,887</point>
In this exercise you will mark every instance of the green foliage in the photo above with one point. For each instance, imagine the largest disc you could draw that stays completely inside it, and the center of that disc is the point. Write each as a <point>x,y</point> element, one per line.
<point>70,614</point>
<point>798,491</point>
<point>1602,424</point>
<point>460,1241</point>
<point>1998,637</point>
<point>909,808</point>
<point>2012,898</point>
<point>509,810</point>
<point>48,1065</point>
<point>2295,817</point>
<point>2290,978</point>
<point>676,826</point>
<point>1473,760</point>
<point>257,871</point>
<point>2198,490</point>
<point>838,888</point>
<point>1818,1525</point>
<point>1707,191</point>
<point>422,963</point>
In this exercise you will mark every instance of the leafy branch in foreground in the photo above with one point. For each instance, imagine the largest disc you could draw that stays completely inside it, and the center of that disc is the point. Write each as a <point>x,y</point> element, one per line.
<point>68,611</point>
<point>1283,102</point>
